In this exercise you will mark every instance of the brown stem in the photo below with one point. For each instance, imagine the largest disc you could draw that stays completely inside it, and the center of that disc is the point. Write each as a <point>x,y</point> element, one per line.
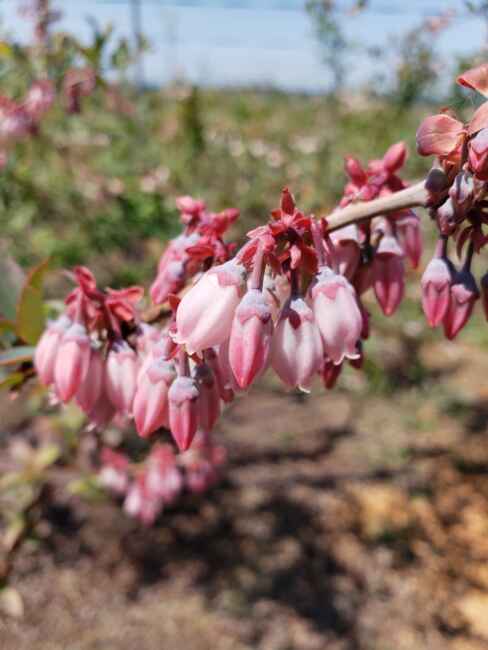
<point>414,196</point>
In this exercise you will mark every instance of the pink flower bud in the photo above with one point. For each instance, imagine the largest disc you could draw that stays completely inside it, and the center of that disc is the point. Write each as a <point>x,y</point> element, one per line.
<point>388,275</point>
<point>337,314</point>
<point>47,348</point>
<point>209,409</point>
<point>91,388</point>
<point>410,236</point>
<point>150,406</point>
<point>121,376</point>
<point>250,338</point>
<point>72,361</point>
<point>436,288</point>
<point>184,406</point>
<point>296,351</point>
<point>171,280</point>
<point>204,316</point>
<point>346,250</point>
<point>478,154</point>
<point>464,294</point>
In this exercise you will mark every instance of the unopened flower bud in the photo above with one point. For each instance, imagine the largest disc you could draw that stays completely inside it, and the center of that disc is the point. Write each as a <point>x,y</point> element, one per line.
<point>91,388</point>
<point>250,338</point>
<point>150,407</point>
<point>337,314</point>
<point>388,275</point>
<point>204,316</point>
<point>346,250</point>
<point>170,280</point>
<point>464,294</point>
<point>436,289</point>
<point>296,352</point>
<point>47,349</point>
<point>121,376</point>
<point>72,361</point>
<point>184,406</point>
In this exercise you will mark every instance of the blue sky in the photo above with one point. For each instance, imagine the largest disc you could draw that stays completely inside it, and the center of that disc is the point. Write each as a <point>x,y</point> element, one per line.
<point>218,42</point>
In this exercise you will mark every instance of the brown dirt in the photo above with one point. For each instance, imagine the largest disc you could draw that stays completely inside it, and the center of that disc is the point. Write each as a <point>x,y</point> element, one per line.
<point>347,521</point>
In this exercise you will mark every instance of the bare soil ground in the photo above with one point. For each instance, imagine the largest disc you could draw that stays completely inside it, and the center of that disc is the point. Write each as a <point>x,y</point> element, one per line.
<point>353,520</point>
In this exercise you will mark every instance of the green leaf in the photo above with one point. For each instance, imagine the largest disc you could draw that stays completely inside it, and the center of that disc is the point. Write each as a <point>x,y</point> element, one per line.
<point>30,309</point>
<point>17,355</point>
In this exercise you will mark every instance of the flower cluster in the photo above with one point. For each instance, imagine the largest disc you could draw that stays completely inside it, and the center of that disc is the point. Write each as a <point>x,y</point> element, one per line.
<point>199,244</point>
<point>147,490</point>
<point>101,354</point>
<point>292,296</point>
<point>450,293</point>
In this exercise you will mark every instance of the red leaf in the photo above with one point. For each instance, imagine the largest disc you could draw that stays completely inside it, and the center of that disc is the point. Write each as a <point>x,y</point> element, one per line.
<point>439,135</point>
<point>476,79</point>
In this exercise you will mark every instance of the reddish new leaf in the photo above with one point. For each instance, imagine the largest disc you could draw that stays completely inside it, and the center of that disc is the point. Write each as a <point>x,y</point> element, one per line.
<point>475,79</point>
<point>439,135</point>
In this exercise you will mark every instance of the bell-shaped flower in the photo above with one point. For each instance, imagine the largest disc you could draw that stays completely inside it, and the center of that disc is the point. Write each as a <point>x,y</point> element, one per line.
<point>170,280</point>
<point>184,407</point>
<point>47,349</point>
<point>91,388</point>
<point>150,407</point>
<point>388,274</point>
<point>347,252</point>
<point>464,294</point>
<point>410,236</point>
<point>209,409</point>
<point>204,316</point>
<point>121,376</point>
<point>436,289</point>
<point>72,362</point>
<point>250,338</point>
<point>337,314</point>
<point>296,350</point>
